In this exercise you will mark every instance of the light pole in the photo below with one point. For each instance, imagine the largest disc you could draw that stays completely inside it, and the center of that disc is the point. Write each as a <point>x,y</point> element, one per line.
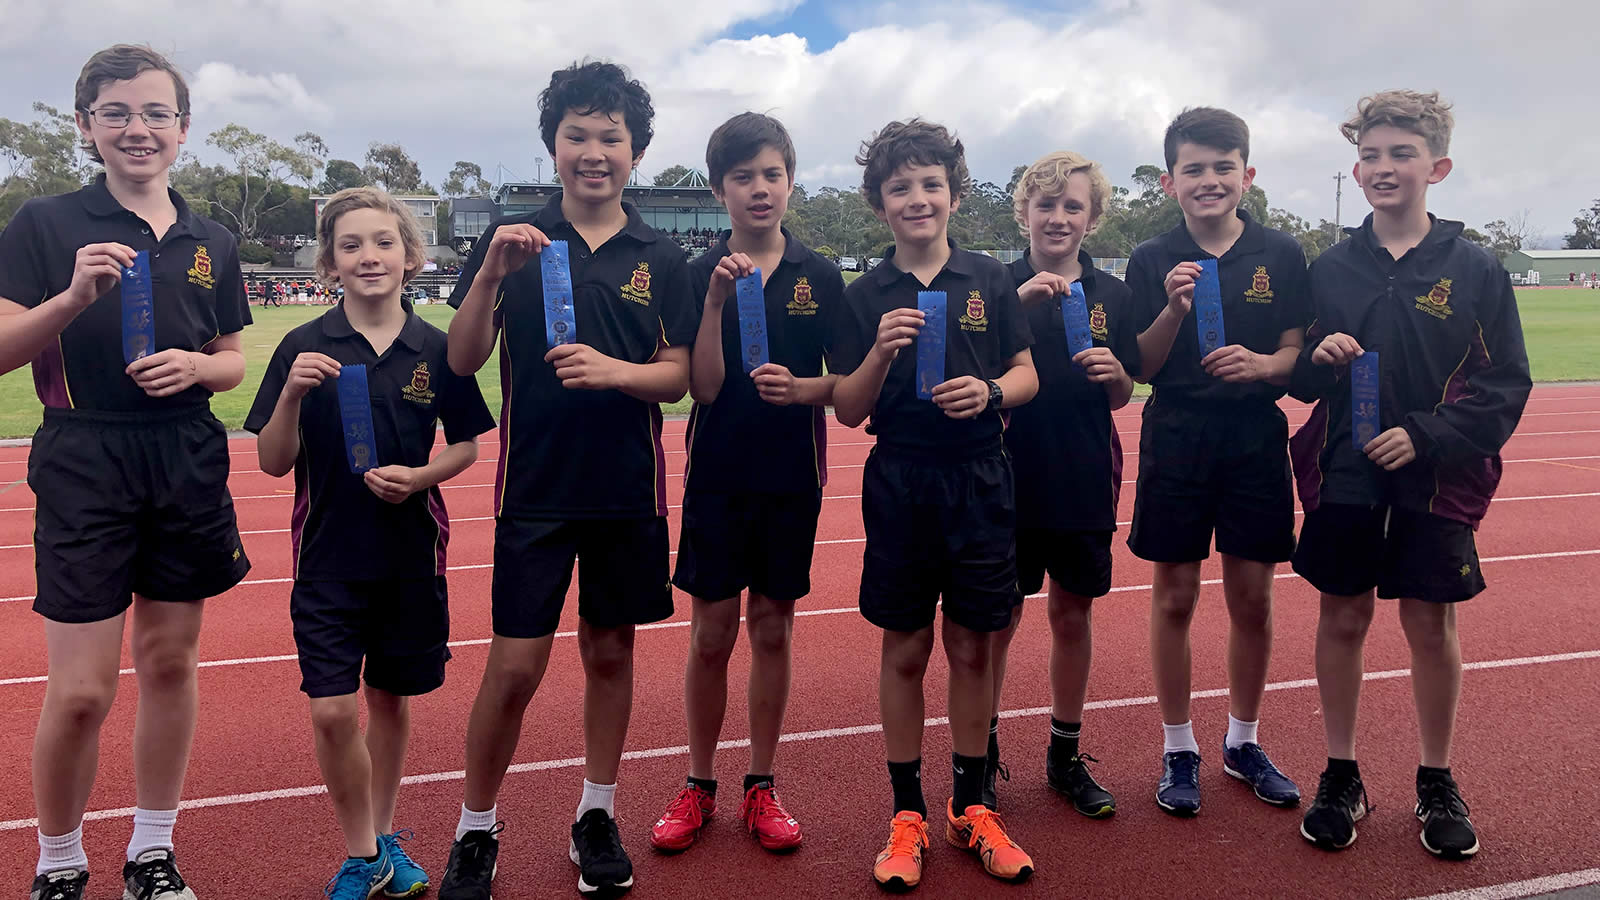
<point>538,162</point>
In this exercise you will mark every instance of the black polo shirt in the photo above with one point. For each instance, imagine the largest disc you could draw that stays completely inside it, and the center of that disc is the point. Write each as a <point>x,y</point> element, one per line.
<point>1265,292</point>
<point>984,328</point>
<point>340,530</point>
<point>1064,446</point>
<point>740,442</point>
<point>194,271</point>
<point>576,454</point>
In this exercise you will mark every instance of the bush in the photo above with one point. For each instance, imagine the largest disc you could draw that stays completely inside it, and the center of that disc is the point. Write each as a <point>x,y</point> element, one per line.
<point>254,253</point>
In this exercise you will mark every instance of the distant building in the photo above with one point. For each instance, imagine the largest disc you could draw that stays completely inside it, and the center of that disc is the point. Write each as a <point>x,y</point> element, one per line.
<point>424,206</point>
<point>1555,268</point>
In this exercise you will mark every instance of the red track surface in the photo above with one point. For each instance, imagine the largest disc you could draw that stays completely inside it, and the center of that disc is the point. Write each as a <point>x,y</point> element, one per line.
<point>1524,751</point>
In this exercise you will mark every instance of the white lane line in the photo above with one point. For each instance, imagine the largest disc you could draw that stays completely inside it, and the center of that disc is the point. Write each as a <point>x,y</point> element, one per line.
<point>1513,889</point>
<point>792,737</point>
<point>684,623</point>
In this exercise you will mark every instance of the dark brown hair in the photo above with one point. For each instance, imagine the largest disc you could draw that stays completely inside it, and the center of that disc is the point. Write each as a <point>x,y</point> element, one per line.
<point>124,62</point>
<point>1209,127</point>
<point>911,143</point>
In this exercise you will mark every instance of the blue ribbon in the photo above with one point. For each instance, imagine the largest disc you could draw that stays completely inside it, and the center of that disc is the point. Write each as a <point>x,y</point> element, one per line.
<point>1075,316</point>
<point>1208,308</point>
<point>138,309</point>
<point>1364,422</point>
<point>560,321</point>
<point>752,300</point>
<point>355,415</point>
<point>930,343</point>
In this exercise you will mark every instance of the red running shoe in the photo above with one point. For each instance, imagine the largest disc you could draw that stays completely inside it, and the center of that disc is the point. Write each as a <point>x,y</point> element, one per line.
<point>765,817</point>
<point>681,823</point>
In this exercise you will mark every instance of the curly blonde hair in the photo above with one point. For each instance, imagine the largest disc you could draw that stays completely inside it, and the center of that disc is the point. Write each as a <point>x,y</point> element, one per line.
<point>351,199</point>
<point>1423,114</point>
<point>1048,176</point>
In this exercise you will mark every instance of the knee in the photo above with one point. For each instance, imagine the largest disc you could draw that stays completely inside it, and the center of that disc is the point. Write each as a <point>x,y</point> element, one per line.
<point>969,653</point>
<point>165,664</point>
<point>1172,607</point>
<point>334,722</point>
<point>1346,623</point>
<point>83,708</point>
<point>770,634</point>
<point>906,660</point>
<point>607,658</point>
<point>1252,615</point>
<point>512,682</point>
<point>1070,618</point>
<point>711,645</point>
<point>1430,628</point>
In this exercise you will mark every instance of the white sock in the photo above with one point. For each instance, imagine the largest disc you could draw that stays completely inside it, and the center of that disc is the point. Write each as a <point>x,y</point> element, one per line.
<point>597,796</point>
<point>152,830</point>
<point>1180,737</point>
<point>63,852</point>
<point>471,820</point>
<point>1240,733</point>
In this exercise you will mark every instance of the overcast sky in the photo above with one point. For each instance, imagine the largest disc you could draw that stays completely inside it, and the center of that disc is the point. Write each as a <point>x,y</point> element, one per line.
<point>458,80</point>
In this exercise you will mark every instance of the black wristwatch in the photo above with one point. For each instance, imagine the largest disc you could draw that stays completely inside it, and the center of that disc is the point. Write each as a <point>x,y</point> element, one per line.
<point>996,396</point>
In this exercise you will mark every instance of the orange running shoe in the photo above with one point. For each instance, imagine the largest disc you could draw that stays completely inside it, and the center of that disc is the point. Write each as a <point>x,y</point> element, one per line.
<point>765,817</point>
<point>681,823</point>
<point>982,832</point>
<point>899,866</point>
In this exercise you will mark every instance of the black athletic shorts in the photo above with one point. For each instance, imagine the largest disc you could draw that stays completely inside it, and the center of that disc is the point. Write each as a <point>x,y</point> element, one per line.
<point>937,528</point>
<point>131,503</point>
<point>763,542</point>
<point>1348,550</point>
<point>623,573</point>
<point>1079,561</point>
<point>401,626</point>
<point>1218,469</point>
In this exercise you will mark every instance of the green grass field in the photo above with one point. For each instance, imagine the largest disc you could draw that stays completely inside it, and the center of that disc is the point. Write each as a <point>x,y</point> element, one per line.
<point>1562,327</point>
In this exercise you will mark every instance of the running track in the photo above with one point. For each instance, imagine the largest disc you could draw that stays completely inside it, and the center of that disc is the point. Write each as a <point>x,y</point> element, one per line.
<point>257,824</point>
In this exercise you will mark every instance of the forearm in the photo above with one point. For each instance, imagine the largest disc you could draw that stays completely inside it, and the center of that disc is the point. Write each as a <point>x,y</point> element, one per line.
<point>278,444</point>
<point>855,395</point>
<point>471,336</point>
<point>451,461</point>
<point>707,370</point>
<point>1278,366</point>
<point>24,333</point>
<point>657,381</point>
<point>815,391</point>
<point>1119,392</point>
<point>1019,384</point>
<point>1155,343</point>
<point>219,370</point>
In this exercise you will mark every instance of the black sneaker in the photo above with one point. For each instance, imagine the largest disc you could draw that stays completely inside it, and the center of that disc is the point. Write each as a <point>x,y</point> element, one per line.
<point>1447,832</point>
<point>992,768</point>
<point>1340,803</point>
<point>1074,782</point>
<point>62,884</point>
<point>153,875</point>
<point>604,869</point>
<point>1179,790</point>
<point>469,873</point>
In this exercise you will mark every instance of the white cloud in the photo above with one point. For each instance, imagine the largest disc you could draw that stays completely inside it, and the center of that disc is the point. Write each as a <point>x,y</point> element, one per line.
<point>1104,79</point>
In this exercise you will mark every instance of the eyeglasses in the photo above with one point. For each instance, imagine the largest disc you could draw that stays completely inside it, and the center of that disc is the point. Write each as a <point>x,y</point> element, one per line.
<point>114,117</point>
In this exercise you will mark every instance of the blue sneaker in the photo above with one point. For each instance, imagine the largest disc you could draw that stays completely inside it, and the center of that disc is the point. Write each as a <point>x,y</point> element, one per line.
<point>1249,764</point>
<point>409,879</point>
<point>359,879</point>
<point>1179,790</point>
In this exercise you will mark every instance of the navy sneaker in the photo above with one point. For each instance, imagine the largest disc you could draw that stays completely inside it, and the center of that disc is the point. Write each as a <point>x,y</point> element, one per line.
<point>469,873</point>
<point>154,876</point>
<point>1249,764</point>
<point>1447,831</point>
<point>1179,790</point>
<point>358,879</point>
<point>62,884</point>
<point>1340,803</point>
<point>409,879</point>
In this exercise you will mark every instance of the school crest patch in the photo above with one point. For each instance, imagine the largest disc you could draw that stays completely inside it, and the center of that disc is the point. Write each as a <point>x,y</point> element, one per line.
<point>802,304</point>
<point>1260,287</point>
<point>1436,302</point>
<point>1097,322</point>
<point>638,287</point>
<point>976,318</point>
<point>418,391</point>
<point>200,272</point>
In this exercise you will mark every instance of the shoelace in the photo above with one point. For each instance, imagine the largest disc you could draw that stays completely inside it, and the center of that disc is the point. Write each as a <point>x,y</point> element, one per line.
<point>1001,770</point>
<point>1185,768</point>
<point>686,806</point>
<point>160,876</point>
<point>761,801</point>
<point>397,854</point>
<point>56,888</point>
<point>601,839</point>
<point>472,862</point>
<point>989,829</point>
<point>1259,759</point>
<point>907,838</point>
<point>1338,790</point>
<point>350,882</point>
<point>1443,797</point>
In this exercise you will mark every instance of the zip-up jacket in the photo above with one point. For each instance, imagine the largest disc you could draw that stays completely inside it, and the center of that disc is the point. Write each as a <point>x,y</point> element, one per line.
<point>1453,372</point>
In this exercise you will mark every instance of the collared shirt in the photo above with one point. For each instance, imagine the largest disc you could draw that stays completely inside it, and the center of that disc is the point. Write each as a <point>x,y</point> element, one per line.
<point>583,454</point>
<point>984,328</point>
<point>339,529</point>
<point>740,442</point>
<point>1063,443</point>
<point>194,274</point>
<point>1265,292</point>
